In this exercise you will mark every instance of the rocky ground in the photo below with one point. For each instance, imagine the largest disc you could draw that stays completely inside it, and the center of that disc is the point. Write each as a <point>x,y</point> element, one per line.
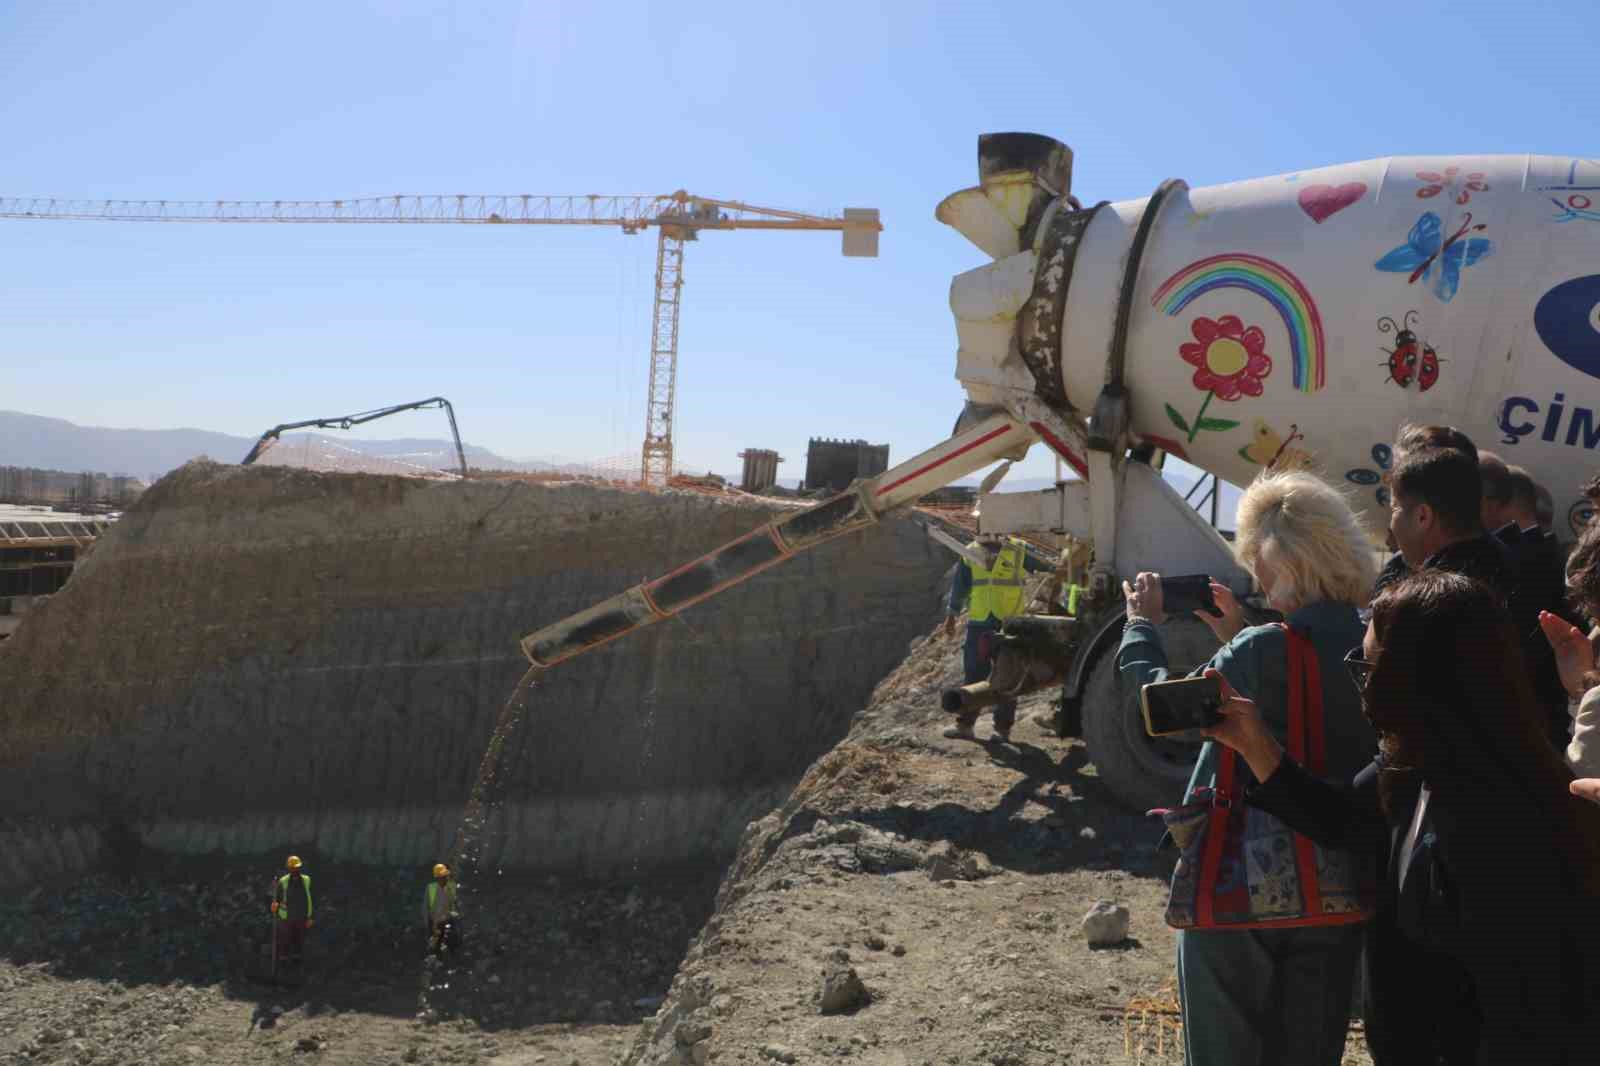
<point>920,901</point>
<point>917,900</point>
<point>168,964</point>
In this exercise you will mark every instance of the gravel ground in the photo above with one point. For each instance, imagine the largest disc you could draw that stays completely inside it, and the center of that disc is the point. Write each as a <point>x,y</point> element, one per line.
<point>168,964</point>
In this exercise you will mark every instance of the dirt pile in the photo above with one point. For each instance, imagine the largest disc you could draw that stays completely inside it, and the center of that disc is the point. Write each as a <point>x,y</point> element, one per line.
<point>259,659</point>
<point>952,879</point>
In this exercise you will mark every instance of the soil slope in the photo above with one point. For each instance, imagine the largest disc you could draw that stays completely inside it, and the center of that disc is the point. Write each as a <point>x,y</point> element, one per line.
<point>952,877</point>
<point>267,659</point>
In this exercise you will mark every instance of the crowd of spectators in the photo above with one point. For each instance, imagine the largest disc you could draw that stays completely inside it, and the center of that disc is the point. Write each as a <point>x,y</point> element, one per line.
<point>1461,705</point>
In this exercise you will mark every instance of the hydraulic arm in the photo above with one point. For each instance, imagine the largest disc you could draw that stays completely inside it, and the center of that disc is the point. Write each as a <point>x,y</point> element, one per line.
<point>270,437</point>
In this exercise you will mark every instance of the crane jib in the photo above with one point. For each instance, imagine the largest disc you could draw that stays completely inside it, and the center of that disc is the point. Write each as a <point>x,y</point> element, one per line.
<point>677,217</point>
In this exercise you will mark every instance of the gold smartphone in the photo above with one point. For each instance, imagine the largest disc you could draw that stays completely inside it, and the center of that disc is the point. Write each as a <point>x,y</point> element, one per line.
<point>1181,706</point>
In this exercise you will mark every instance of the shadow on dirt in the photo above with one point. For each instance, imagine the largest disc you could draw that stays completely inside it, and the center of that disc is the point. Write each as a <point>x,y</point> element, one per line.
<point>1057,816</point>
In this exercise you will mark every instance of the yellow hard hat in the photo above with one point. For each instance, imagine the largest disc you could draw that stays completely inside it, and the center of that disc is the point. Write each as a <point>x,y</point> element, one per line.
<point>441,870</point>
<point>293,863</point>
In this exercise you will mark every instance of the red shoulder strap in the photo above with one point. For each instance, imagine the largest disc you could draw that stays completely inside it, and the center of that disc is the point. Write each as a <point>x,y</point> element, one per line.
<point>1315,738</point>
<point>1306,748</point>
<point>1222,800</point>
<point>1297,694</point>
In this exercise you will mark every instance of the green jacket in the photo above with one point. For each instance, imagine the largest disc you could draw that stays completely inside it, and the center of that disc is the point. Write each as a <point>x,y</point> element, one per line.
<point>1256,664</point>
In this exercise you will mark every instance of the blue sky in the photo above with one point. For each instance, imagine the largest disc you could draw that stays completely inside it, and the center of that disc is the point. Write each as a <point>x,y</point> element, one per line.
<point>539,335</point>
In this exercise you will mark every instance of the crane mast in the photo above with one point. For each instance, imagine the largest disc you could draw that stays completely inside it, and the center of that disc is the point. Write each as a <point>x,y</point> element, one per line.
<point>678,217</point>
<point>656,460</point>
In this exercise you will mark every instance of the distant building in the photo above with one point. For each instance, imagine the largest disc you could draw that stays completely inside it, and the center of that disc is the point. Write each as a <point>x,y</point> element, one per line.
<point>31,485</point>
<point>833,464</point>
<point>38,549</point>
<point>760,469</point>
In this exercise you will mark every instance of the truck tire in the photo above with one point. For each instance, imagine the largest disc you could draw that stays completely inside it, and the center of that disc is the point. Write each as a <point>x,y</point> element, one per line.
<point>1141,771</point>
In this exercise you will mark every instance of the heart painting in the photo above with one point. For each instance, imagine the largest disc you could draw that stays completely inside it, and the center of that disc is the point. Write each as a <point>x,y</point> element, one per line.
<point>1323,201</point>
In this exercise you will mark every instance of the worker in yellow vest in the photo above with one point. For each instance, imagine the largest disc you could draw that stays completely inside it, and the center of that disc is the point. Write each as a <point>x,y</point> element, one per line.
<point>291,906</point>
<point>990,594</point>
<point>439,915</point>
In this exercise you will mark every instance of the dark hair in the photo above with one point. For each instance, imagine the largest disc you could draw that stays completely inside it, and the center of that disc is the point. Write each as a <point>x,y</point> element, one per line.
<point>1415,438</point>
<point>1544,505</point>
<point>1522,490</point>
<point>1450,688</point>
<point>1583,572</point>
<point>1496,477</point>
<point>1447,480</point>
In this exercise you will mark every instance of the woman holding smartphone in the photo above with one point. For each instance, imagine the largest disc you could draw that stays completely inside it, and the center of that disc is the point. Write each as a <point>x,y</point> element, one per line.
<point>1282,996</point>
<point>1484,949</point>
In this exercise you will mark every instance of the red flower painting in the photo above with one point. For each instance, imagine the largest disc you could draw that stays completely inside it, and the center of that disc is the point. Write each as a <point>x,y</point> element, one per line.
<point>1230,360</point>
<point>1438,183</point>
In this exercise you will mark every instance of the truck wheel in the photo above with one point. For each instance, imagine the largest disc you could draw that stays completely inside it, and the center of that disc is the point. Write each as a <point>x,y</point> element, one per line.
<point>1141,771</point>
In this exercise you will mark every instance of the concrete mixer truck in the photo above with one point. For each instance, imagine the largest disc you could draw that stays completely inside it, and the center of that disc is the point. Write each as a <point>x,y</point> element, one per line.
<point>1298,318</point>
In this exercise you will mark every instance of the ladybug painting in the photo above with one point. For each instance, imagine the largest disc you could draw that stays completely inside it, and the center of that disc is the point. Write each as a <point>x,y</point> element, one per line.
<point>1411,359</point>
<point>1428,371</point>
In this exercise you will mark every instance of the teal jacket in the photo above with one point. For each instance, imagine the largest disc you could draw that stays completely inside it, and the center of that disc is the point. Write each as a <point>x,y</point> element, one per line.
<point>1256,664</point>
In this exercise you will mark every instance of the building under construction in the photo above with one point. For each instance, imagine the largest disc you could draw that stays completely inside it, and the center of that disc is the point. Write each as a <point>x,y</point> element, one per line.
<point>833,464</point>
<point>38,549</point>
<point>760,469</point>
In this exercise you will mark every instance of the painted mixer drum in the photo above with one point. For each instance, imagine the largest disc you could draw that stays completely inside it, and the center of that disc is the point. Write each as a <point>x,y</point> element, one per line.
<point>1306,316</point>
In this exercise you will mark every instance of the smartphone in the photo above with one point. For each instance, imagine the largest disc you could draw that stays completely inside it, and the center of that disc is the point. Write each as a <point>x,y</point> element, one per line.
<point>1182,596</point>
<point>1181,706</point>
<point>1509,534</point>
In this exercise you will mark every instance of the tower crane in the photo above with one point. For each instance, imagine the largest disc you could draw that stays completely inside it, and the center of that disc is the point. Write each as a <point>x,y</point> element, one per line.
<point>678,217</point>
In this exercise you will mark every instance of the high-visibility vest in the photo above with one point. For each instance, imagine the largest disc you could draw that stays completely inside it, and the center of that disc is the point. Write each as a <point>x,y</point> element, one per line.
<point>282,895</point>
<point>997,590</point>
<point>433,898</point>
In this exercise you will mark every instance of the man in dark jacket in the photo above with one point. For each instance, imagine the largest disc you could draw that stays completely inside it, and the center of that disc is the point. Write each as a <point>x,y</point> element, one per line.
<point>1410,440</point>
<point>1436,519</point>
<point>1541,586</point>
<point>1496,507</point>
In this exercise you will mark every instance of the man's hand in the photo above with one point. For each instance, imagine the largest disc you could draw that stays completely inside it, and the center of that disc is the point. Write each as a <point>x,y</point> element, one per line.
<point>309,923</point>
<point>949,625</point>
<point>1227,627</point>
<point>274,906</point>
<point>1574,654</point>
<point>1144,598</point>
<point>1243,730</point>
<point>1586,787</point>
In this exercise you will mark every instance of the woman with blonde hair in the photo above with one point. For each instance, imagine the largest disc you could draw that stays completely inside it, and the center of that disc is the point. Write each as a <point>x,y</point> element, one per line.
<point>1277,996</point>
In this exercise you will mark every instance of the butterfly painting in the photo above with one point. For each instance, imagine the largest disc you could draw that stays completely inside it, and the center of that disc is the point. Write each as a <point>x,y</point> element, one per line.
<point>1436,259</point>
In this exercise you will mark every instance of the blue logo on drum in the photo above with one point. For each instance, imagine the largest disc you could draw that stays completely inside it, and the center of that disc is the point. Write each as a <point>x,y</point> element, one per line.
<point>1567,319</point>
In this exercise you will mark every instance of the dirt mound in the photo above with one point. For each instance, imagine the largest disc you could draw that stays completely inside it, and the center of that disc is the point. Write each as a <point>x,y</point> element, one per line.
<point>265,658</point>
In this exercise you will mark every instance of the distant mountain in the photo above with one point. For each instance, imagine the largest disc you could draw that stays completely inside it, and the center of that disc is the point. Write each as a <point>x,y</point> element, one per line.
<point>56,444</point>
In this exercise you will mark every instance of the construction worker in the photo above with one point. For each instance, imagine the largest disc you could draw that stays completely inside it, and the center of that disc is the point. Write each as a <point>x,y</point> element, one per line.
<point>439,915</point>
<point>291,905</point>
<point>990,593</point>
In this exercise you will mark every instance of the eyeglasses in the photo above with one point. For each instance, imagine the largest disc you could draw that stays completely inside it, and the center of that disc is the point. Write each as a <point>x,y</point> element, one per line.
<point>1360,670</point>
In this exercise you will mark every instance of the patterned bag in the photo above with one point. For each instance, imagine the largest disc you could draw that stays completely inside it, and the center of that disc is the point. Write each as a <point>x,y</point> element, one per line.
<point>1241,868</point>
